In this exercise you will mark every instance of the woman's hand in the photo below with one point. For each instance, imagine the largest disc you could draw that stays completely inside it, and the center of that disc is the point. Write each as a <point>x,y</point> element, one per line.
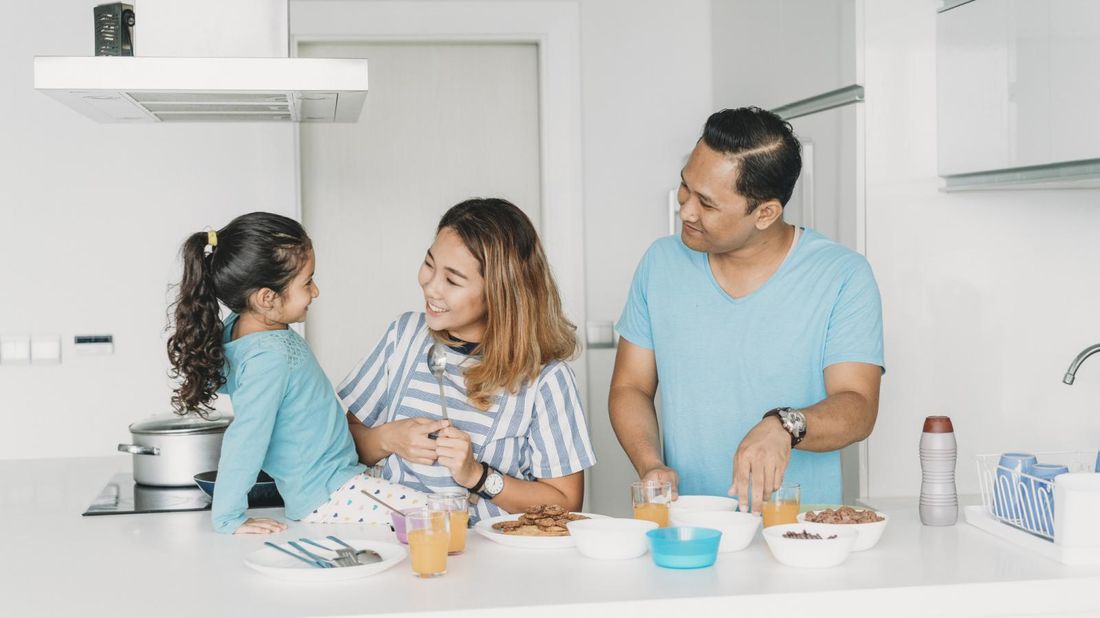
<point>260,525</point>
<point>409,439</point>
<point>456,453</point>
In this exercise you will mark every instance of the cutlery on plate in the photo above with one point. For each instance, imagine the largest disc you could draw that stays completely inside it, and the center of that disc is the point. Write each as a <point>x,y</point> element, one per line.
<point>344,558</point>
<point>322,562</point>
<point>311,563</point>
<point>362,556</point>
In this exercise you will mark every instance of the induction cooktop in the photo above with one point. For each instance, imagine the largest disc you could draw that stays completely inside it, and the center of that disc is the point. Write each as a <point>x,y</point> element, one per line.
<point>122,495</point>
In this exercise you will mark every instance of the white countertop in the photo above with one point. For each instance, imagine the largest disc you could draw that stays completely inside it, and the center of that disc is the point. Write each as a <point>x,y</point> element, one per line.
<point>171,564</point>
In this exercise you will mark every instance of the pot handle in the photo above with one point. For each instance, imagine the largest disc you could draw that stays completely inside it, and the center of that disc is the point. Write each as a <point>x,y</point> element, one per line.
<point>137,449</point>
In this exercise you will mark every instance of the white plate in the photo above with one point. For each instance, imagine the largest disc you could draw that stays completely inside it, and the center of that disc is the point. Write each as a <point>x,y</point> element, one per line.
<point>274,563</point>
<point>485,529</point>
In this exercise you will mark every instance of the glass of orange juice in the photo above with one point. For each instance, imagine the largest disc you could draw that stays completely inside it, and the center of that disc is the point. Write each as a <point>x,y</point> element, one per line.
<point>782,506</point>
<point>429,536</point>
<point>651,500</point>
<point>454,502</point>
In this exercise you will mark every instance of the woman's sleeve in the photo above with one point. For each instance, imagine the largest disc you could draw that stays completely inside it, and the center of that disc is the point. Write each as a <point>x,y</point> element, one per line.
<point>365,392</point>
<point>557,441</point>
<point>262,384</point>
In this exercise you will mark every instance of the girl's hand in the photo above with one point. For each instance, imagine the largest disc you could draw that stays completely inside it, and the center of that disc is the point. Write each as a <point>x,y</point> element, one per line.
<point>409,439</point>
<point>456,453</point>
<point>260,525</point>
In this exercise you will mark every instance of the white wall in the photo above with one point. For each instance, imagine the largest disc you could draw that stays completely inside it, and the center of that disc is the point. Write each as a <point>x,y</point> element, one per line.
<point>91,219</point>
<point>101,252</point>
<point>987,296</point>
<point>646,93</point>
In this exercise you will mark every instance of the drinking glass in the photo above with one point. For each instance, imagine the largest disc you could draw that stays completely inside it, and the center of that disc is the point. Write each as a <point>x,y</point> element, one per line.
<point>454,502</point>
<point>781,507</point>
<point>429,536</point>
<point>651,500</point>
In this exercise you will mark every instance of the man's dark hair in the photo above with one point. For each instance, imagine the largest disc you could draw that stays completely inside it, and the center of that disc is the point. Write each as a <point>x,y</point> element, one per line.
<point>768,154</point>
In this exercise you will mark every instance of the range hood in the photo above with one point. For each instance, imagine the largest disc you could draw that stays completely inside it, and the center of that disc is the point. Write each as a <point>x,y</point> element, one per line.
<point>196,74</point>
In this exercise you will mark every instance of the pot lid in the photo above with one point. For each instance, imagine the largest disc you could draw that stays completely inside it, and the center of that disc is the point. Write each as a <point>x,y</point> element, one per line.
<point>181,424</point>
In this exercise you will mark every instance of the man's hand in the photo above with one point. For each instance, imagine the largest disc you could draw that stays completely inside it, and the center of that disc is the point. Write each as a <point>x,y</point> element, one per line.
<point>456,453</point>
<point>409,439</point>
<point>663,473</point>
<point>760,462</point>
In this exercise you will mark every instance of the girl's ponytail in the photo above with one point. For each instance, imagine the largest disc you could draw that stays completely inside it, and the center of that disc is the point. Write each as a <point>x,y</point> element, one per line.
<point>195,348</point>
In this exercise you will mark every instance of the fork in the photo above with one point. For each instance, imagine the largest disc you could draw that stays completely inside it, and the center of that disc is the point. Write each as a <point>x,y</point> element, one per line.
<point>344,557</point>
<point>323,562</point>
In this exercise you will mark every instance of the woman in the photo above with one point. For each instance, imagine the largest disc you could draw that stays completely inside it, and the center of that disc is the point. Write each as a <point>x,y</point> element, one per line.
<point>516,434</point>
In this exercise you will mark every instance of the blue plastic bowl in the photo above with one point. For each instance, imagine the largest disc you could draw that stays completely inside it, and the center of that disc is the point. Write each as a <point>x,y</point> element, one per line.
<point>263,493</point>
<point>684,548</point>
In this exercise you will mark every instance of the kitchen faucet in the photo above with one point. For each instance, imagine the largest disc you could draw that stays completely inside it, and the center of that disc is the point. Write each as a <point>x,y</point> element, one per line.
<point>1072,371</point>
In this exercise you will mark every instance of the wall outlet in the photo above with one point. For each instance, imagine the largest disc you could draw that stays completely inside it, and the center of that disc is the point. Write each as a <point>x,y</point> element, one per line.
<point>46,349</point>
<point>15,349</point>
<point>94,345</point>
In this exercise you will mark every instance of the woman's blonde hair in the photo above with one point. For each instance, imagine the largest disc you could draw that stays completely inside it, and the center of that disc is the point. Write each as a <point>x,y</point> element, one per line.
<point>526,326</point>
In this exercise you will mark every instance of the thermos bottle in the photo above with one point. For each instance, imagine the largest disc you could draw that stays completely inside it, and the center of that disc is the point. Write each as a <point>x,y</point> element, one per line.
<point>939,504</point>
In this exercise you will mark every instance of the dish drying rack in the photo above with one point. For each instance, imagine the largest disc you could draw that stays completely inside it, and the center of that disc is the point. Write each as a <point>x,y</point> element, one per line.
<point>1018,499</point>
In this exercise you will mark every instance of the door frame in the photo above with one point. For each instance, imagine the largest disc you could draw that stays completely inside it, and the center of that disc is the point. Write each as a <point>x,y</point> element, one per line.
<point>554,28</point>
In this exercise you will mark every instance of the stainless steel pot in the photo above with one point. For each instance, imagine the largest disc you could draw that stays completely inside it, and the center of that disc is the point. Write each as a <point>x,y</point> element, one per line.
<point>170,450</point>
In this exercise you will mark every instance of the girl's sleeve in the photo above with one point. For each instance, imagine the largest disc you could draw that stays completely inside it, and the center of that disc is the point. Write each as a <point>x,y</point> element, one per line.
<point>557,441</point>
<point>365,392</point>
<point>262,383</point>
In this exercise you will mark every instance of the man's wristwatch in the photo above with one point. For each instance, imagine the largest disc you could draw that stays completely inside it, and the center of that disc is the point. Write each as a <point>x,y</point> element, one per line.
<point>794,421</point>
<point>491,483</point>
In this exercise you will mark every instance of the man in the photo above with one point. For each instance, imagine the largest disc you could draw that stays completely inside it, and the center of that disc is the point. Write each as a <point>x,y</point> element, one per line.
<point>766,339</point>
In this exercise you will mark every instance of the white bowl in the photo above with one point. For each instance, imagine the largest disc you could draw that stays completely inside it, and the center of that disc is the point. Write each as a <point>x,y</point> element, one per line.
<point>737,528</point>
<point>610,538</point>
<point>869,534</point>
<point>810,553</point>
<point>684,504</point>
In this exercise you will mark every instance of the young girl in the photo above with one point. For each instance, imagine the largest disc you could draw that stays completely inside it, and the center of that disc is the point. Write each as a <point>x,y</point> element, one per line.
<point>287,419</point>
<point>516,435</point>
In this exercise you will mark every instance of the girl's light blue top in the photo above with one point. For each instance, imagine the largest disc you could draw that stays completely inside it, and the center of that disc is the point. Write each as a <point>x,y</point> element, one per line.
<point>288,423</point>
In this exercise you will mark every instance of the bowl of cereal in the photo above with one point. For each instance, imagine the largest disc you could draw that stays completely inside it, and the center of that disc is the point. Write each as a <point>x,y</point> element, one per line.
<point>809,545</point>
<point>867,523</point>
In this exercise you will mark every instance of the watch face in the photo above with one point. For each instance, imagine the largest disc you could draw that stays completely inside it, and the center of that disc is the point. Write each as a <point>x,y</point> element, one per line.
<point>494,484</point>
<point>794,421</point>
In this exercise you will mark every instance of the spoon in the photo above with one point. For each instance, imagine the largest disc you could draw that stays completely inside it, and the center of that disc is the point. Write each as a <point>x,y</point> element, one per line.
<point>437,364</point>
<point>380,501</point>
<point>362,556</point>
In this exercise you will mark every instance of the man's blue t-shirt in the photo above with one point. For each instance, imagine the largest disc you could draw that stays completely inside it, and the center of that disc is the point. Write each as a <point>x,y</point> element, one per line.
<point>723,362</point>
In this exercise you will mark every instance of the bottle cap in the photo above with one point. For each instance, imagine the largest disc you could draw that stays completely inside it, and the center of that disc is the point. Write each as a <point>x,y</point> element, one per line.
<point>938,424</point>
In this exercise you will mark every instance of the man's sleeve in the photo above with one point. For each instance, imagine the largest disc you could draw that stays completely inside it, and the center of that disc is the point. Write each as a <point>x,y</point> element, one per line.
<point>855,325</point>
<point>634,323</point>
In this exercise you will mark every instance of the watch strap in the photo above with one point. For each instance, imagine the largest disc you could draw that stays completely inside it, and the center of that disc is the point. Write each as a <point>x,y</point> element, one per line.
<point>476,489</point>
<point>795,439</point>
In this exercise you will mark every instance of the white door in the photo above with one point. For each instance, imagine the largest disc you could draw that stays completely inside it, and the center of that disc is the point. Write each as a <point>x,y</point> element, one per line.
<point>442,123</point>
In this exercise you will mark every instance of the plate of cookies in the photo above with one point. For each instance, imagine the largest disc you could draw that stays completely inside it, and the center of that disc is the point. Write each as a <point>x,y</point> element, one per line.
<point>540,527</point>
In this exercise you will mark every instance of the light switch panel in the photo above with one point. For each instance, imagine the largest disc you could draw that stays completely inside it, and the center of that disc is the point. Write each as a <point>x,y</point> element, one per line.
<point>46,349</point>
<point>94,345</point>
<point>15,349</point>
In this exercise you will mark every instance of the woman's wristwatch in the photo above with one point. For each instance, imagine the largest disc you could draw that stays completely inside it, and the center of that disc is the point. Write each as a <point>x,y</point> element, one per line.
<point>490,484</point>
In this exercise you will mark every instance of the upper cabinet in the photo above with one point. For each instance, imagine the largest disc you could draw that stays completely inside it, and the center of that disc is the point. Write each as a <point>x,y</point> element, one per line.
<point>777,52</point>
<point>1018,93</point>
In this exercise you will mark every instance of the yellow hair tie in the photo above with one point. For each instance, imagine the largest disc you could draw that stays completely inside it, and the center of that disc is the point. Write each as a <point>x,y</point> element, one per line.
<point>212,238</point>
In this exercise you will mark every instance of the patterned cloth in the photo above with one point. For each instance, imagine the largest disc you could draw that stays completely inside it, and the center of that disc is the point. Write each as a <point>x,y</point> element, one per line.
<point>348,505</point>
<point>538,432</point>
